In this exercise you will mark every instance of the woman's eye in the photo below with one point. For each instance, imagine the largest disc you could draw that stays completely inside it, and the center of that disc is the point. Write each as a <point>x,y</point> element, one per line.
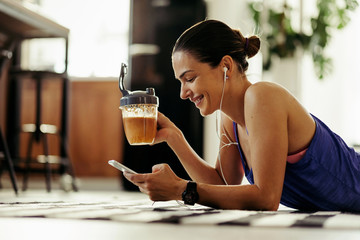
<point>191,79</point>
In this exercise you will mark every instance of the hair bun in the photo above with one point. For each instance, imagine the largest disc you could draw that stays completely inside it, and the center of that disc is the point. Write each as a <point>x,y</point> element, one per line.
<point>253,46</point>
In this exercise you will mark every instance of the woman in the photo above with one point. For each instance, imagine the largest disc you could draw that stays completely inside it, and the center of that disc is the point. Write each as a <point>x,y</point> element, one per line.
<point>288,155</point>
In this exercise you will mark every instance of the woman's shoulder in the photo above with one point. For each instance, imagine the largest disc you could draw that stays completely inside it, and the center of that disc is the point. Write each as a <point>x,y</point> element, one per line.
<point>266,86</point>
<point>267,92</point>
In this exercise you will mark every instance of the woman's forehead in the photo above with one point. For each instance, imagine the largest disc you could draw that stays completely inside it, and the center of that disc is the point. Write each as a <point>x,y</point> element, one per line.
<point>183,57</point>
<point>183,62</point>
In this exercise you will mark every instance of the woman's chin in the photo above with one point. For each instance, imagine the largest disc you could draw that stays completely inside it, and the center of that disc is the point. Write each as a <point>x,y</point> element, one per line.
<point>205,112</point>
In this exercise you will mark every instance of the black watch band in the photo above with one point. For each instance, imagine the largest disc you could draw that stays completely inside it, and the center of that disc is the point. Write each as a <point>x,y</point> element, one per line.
<point>190,196</point>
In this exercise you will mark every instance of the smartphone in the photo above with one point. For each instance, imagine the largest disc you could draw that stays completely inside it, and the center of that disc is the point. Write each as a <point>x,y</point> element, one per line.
<point>121,167</point>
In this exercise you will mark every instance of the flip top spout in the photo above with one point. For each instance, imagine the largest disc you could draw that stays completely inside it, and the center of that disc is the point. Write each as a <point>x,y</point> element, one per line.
<point>123,71</point>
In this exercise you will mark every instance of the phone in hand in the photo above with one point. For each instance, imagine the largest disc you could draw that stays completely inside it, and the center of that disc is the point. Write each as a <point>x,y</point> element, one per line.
<point>121,167</point>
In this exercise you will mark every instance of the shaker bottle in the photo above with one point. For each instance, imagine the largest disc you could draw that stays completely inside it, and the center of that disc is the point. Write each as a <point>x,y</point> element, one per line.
<point>139,113</point>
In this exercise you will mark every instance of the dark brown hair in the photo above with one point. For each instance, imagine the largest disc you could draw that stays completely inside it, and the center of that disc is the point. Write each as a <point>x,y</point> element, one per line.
<point>210,40</point>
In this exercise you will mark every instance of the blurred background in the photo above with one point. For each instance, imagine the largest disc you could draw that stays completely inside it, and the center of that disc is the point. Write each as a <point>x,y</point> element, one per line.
<point>310,47</point>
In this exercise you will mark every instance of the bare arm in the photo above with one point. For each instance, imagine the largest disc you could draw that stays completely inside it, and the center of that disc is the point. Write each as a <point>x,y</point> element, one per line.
<point>196,167</point>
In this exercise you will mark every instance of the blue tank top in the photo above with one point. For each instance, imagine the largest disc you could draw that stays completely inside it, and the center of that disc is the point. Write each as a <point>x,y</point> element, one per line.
<point>327,178</point>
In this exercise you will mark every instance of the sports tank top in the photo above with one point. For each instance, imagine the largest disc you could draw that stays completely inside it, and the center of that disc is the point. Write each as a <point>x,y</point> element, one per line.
<point>328,171</point>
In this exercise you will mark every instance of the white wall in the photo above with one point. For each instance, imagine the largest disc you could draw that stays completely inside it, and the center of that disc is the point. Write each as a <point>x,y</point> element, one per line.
<point>336,99</point>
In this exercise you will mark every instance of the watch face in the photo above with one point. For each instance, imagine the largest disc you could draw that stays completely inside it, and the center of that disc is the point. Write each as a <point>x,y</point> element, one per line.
<point>190,195</point>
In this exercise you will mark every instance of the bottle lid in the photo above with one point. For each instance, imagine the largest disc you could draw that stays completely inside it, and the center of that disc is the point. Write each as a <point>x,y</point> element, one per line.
<point>135,97</point>
<point>140,97</point>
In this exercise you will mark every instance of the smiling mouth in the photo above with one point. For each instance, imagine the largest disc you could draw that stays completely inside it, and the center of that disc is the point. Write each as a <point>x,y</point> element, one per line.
<point>197,100</point>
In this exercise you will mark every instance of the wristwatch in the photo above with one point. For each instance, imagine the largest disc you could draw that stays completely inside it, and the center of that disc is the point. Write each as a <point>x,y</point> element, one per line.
<point>190,196</point>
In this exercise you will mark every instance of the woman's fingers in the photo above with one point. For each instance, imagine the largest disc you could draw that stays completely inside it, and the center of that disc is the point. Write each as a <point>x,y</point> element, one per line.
<point>158,167</point>
<point>135,178</point>
<point>160,185</point>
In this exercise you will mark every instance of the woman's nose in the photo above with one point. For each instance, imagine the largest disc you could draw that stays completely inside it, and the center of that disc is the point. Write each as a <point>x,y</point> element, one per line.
<point>184,92</point>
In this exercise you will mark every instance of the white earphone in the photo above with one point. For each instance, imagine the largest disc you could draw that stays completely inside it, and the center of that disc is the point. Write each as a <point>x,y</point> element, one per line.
<point>225,70</point>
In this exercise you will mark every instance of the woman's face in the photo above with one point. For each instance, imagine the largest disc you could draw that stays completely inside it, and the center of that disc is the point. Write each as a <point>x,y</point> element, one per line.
<point>200,83</point>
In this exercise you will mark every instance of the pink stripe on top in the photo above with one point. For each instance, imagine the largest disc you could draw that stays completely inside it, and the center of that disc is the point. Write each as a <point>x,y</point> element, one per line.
<point>294,158</point>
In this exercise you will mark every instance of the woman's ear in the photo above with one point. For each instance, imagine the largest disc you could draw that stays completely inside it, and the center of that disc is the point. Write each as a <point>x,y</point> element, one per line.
<point>228,63</point>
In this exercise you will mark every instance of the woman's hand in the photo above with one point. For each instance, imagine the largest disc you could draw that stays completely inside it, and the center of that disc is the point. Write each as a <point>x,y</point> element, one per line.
<point>166,129</point>
<point>161,185</point>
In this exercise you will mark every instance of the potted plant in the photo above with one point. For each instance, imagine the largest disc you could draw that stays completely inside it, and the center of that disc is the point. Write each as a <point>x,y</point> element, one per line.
<point>282,39</point>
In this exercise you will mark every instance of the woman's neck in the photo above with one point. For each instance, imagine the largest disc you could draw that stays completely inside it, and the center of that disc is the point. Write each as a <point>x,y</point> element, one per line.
<point>233,101</point>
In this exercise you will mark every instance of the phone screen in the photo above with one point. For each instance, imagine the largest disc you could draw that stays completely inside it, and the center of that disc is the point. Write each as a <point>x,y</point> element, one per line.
<point>121,167</point>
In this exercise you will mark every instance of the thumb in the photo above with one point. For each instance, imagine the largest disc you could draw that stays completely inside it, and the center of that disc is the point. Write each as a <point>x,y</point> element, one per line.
<point>157,167</point>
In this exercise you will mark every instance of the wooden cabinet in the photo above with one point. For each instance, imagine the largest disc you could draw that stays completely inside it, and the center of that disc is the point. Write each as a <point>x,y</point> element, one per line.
<point>95,129</point>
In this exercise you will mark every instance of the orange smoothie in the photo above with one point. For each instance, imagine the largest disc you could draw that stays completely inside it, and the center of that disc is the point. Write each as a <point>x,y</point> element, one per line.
<point>140,130</point>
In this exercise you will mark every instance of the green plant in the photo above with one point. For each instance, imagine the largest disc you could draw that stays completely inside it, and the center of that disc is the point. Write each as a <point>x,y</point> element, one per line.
<point>282,40</point>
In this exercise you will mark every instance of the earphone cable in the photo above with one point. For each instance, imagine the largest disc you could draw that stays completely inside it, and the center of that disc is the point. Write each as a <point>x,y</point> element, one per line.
<point>229,142</point>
